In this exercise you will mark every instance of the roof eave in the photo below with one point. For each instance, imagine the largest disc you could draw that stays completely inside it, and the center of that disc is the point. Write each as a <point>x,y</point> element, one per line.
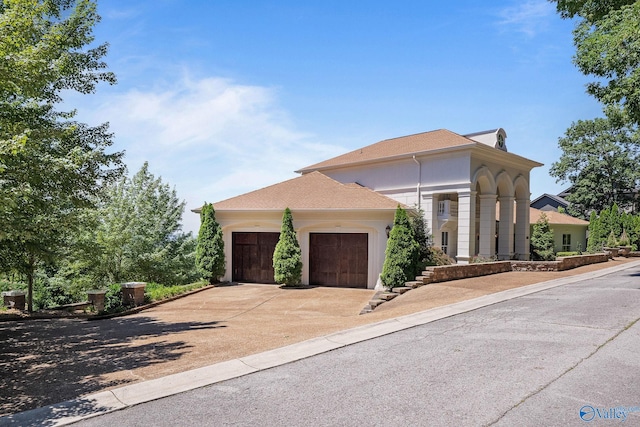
<point>472,145</point>
<point>293,210</point>
<point>388,158</point>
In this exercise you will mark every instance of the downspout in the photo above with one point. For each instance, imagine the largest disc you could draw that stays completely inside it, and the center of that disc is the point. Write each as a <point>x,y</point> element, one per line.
<point>419,180</point>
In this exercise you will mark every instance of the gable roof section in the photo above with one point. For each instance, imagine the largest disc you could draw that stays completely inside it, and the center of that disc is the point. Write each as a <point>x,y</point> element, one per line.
<point>312,191</point>
<point>558,199</point>
<point>396,147</point>
<point>556,218</point>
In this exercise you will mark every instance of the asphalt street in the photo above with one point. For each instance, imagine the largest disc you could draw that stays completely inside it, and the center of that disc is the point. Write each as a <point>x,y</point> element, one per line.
<point>560,357</point>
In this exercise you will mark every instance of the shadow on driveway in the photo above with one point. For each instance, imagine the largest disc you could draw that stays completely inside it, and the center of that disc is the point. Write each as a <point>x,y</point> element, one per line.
<point>70,355</point>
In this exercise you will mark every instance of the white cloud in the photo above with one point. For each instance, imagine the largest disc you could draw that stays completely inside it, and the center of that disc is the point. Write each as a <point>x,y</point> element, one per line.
<point>529,17</point>
<point>211,138</point>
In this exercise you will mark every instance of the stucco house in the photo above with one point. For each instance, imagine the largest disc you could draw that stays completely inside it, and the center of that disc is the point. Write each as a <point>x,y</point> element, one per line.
<point>569,233</point>
<point>342,207</point>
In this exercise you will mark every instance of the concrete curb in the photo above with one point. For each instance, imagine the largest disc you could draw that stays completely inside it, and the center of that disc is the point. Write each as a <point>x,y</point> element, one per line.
<point>112,400</point>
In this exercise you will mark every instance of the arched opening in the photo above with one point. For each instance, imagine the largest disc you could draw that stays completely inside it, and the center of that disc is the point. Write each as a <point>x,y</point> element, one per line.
<point>521,227</point>
<point>505,241</point>
<point>485,212</point>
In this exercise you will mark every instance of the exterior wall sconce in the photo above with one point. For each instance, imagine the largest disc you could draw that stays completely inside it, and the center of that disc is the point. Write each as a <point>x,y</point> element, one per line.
<point>388,230</point>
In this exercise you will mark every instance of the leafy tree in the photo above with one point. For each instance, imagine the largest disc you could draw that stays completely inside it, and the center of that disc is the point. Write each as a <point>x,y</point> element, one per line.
<point>600,159</point>
<point>542,243</point>
<point>51,167</point>
<point>210,260</point>
<point>135,234</point>
<point>607,40</point>
<point>287,257</point>
<point>401,253</point>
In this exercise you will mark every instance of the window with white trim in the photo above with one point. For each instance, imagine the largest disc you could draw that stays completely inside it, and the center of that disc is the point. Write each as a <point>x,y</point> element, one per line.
<point>566,242</point>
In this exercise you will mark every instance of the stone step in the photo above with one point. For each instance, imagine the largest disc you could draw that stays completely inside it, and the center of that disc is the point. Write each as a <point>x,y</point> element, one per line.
<point>387,296</point>
<point>414,284</point>
<point>375,302</point>
<point>401,289</point>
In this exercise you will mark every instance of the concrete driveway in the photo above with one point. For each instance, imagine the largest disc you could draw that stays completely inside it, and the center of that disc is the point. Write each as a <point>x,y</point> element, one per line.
<point>561,356</point>
<point>48,361</point>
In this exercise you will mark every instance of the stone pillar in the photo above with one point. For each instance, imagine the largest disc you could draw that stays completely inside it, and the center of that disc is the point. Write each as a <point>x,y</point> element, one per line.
<point>14,299</point>
<point>133,293</point>
<point>466,226</point>
<point>96,297</point>
<point>487,225</point>
<point>522,229</point>
<point>505,232</point>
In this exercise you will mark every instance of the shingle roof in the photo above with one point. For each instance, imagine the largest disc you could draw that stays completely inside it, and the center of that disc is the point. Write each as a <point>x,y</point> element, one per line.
<point>401,146</point>
<point>555,218</point>
<point>309,192</point>
<point>551,196</point>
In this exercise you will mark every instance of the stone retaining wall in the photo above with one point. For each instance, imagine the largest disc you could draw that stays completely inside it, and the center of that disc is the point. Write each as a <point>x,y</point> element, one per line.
<point>569,262</point>
<point>453,272</point>
<point>444,273</point>
<point>536,265</point>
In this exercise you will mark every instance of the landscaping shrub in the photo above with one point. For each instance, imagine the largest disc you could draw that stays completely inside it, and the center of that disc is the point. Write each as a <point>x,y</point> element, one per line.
<point>482,259</point>
<point>401,254</point>
<point>542,240</point>
<point>155,292</point>
<point>52,293</point>
<point>210,261</point>
<point>422,236</point>
<point>560,254</point>
<point>287,257</point>
<point>438,257</point>
<point>113,299</point>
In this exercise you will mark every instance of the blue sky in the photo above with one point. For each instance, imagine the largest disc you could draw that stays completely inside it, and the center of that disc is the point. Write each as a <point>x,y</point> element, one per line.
<point>224,97</point>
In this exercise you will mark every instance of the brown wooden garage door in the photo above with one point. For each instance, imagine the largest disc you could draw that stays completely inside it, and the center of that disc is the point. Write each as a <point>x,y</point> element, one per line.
<point>253,257</point>
<point>338,259</point>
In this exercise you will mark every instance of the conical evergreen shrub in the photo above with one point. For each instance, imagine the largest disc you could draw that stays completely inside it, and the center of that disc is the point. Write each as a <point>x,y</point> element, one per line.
<point>210,260</point>
<point>401,254</point>
<point>542,240</point>
<point>287,257</point>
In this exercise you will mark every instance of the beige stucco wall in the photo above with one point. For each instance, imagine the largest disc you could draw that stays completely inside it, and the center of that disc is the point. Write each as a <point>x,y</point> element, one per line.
<point>373,223</point>
<point>474,177</point>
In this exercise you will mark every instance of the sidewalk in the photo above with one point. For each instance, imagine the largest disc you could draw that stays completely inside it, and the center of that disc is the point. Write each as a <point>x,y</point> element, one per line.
<point>269,318</point>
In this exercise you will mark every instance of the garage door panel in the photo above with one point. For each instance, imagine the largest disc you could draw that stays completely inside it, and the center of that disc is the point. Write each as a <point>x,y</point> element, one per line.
<point>253,256</point>
<point>338,259</point>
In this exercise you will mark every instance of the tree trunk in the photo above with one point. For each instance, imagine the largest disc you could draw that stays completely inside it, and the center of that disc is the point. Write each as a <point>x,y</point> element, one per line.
<point>30,268</point>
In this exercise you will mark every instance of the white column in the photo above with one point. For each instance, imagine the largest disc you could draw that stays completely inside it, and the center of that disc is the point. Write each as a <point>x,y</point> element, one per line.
<point>487,225</point>
<point>430,208</point>
<point>522,229</point>
<point>466,226</point>
<point>505,232</point>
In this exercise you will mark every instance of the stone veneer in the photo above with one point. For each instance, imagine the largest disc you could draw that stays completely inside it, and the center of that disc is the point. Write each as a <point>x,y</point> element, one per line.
<point>444,273</point>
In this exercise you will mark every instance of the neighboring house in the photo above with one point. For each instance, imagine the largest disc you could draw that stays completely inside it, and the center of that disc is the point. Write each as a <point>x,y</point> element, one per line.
<point>549,202</point>
<point>342,207</point>
<point>569,233</point>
